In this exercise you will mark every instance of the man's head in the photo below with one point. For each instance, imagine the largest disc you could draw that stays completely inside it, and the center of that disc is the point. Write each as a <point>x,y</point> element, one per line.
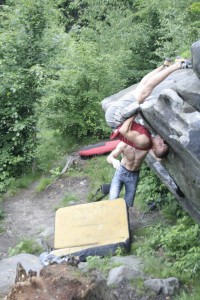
<point>159,147</point>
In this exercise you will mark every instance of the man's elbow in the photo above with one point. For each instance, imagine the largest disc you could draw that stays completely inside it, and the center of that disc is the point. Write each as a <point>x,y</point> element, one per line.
<point>123,131</point>
<point>108,159</point>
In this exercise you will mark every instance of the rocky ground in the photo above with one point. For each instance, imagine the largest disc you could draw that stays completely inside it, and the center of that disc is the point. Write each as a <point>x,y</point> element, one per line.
<point>30,213</point>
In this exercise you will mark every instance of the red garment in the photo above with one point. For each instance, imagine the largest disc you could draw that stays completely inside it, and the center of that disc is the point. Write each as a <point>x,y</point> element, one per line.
<point>136,127</point>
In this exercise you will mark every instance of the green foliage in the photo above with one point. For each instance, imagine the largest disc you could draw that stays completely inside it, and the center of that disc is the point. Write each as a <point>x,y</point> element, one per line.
<point>151,190</point>
<point>23,57</point>
<point>95,62</point>
<point>102,264</point>
<point>176,246</point>
<point>25,246</point>
<point>178,38</point>
<point>21,182</point>
<point>65,201</point>
<point>55,172</point>
<point>50,150</point>
<point>61,77</point>
<point>99,172</point>
<point>44,182</point>
<point>2,214</point>
<point>191,293</point>
<point>140,290</point>
<point>182,247</point>
<point>25,180</point>
<point>72,103</point>
<point>120,251</point>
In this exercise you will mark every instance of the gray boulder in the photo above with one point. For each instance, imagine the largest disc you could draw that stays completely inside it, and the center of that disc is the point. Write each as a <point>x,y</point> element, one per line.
<point>8,269</point>
<point>174,115</point>
<point>166,286</point>
<point>118,274</point>
<point>173,111</point>
<point>195,48</point>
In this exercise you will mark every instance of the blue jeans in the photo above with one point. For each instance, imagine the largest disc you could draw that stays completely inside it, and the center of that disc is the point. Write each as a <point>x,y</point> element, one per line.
<point>129,179</point>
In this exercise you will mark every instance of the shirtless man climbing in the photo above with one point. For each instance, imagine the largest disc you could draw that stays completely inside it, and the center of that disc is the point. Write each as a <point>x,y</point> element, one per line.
<point>127,171</point>
<point>136,140</point>
<point>120,114</point>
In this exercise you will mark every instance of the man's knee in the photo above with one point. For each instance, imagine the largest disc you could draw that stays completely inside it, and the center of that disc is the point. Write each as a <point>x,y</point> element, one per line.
<point>142,93</point>
<point>114,192</point>
<point>114,117</point>
<point>113,196</point>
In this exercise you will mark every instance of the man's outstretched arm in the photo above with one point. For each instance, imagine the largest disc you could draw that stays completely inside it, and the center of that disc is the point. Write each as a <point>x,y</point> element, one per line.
<point>112,157</point>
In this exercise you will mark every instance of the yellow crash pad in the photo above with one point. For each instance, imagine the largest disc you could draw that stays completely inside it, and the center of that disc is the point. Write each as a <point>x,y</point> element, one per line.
<point>89,226</point>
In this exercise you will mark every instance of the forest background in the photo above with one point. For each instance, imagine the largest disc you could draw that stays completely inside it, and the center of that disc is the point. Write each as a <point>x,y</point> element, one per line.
<point>58,60</point>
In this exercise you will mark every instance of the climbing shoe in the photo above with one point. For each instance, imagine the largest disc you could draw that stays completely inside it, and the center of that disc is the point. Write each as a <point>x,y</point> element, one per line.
<point>168,62</point>
<point>180,59</point>
<point>186,63</point>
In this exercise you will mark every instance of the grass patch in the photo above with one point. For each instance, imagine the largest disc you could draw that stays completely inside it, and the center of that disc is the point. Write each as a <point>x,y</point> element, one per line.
<point>103,264</point>
<point>2,214</point>
<point>173,249</point>
<point>26,246</point>
<point>2,229</point>
<point>52,149</point>
<point>65,201</point>
<point>16,184</point>
<point>44,182</point>
<point>25,180</point>
<point>99,172</point>
<point>189,293</point>
<point>140,289</point>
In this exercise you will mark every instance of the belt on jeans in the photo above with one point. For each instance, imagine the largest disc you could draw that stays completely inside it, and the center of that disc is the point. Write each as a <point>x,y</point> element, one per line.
<point>129,170</point>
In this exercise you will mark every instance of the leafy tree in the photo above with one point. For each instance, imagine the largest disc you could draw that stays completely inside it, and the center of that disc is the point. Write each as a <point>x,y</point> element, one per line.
<point>175,34</point>
<point>71,101</point>
<point>110,46</point>
<point>74,60</point>
<point>94,64</point>
<point>23,56</point>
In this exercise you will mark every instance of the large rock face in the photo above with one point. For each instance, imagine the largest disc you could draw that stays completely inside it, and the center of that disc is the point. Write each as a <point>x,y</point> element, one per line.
<point>172,111</point>
<point>195,57</point>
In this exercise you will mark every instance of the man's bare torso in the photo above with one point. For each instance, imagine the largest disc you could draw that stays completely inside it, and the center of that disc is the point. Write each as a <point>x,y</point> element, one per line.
<point>132,158</point>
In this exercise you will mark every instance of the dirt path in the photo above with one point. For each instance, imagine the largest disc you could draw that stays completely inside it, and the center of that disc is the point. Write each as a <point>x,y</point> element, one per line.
<point>28,213</point>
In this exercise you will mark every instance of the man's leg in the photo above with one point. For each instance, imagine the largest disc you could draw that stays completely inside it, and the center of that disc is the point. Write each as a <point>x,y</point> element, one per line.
<point>130,187</point>
<point>150,74</point>
<point>116,186</point>
<point>151,80</point>
<point>168,62</point>
<point>127,106</point>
